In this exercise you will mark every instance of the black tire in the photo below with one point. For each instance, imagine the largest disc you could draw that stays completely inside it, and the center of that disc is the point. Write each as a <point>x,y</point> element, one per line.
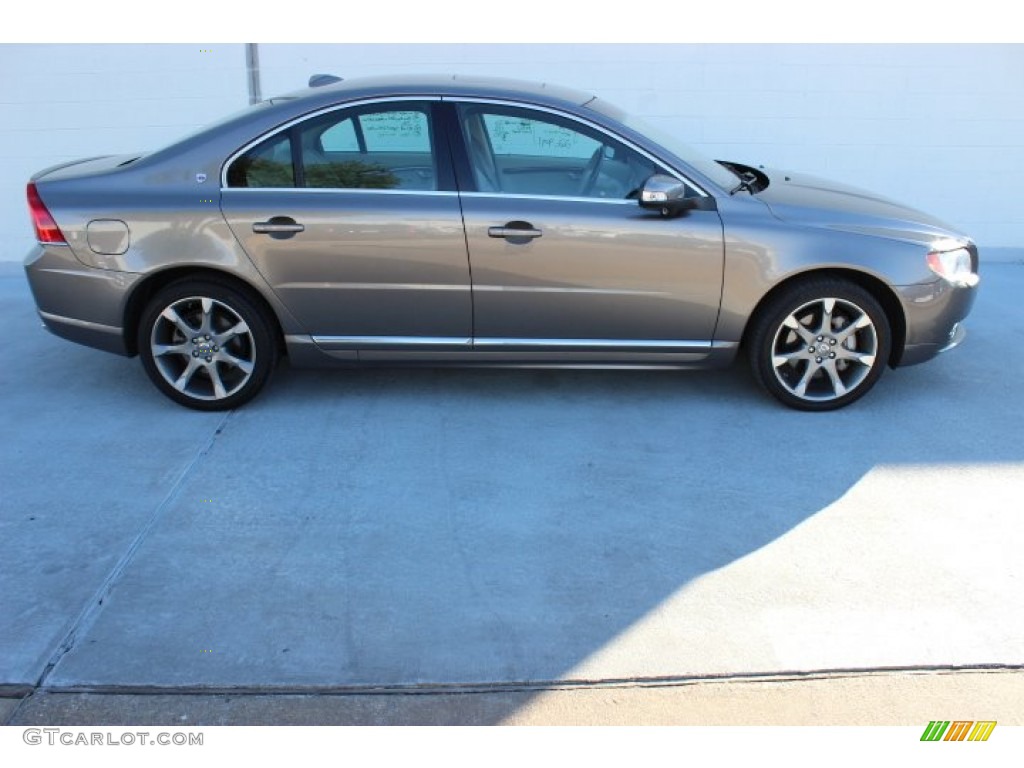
<point>206,344</point>
<point>819,344</point>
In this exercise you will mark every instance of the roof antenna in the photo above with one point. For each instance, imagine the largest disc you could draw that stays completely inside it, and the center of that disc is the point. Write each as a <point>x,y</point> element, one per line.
<point>318,80</point>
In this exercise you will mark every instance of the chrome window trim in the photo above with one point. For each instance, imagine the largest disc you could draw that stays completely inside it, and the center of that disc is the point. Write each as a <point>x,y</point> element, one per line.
<point>565,198</point>
<point>344,190</point>
<point>590,124</point>
<point>432,193</point>
<point>454,100</point>
<point>310,116</point>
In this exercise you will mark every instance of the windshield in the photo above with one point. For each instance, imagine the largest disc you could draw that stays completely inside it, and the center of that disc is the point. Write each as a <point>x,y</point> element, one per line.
<point>710,168</point>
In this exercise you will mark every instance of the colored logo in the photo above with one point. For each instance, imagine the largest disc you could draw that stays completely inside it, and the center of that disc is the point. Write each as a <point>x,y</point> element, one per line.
<point>958,730</point>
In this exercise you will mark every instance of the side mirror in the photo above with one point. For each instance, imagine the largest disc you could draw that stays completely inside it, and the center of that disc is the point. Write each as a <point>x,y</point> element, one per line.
<point>667,195</point>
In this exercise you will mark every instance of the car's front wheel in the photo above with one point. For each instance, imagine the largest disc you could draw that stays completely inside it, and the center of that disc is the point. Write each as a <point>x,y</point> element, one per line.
<point>820,344</point>
<point>206,345</point>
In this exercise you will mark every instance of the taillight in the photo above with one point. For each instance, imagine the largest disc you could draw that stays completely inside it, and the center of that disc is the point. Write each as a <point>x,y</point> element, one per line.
<point>47,230</point>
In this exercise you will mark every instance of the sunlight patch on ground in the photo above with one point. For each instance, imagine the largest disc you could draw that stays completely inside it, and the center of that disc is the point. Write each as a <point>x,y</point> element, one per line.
<point>914,565</point>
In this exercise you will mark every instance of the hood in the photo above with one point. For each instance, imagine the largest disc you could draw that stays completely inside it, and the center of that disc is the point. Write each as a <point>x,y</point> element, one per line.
<point>804,199</point>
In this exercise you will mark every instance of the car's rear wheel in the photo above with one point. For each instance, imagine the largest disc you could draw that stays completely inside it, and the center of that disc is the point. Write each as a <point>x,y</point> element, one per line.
<point>820,344</point>
<point>206,345</point>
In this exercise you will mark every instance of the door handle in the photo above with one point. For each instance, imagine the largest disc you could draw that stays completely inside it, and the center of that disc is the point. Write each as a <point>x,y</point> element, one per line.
<point>515,230</point>
<point>278,225</point>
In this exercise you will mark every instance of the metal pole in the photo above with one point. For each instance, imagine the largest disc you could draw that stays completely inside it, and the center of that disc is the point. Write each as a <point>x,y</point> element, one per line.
<point>252,64</point>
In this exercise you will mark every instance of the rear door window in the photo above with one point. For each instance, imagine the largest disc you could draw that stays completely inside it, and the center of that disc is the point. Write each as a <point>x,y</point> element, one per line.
<point>268,164</point>
<point>379,146</point>
<point>384,147</point>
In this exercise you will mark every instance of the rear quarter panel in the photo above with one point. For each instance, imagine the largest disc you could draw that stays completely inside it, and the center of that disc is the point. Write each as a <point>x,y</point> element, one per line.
<point>174,221</point>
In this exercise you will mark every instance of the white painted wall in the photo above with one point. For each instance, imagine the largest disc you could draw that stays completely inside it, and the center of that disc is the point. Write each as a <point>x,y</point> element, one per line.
<point>940,127</point>
<point>61,102</point>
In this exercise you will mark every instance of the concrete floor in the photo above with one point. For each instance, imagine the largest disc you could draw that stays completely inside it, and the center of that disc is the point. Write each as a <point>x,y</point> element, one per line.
<point>355,530</point>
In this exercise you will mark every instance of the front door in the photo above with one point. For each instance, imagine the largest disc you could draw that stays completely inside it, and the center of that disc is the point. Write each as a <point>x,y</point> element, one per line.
<point>563,257</point>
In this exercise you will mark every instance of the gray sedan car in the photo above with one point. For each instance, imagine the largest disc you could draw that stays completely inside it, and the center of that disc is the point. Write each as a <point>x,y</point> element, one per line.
<point>452,221</point>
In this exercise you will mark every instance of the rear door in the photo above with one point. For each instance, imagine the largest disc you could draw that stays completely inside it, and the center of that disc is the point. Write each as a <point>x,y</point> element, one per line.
<point>352,217</point>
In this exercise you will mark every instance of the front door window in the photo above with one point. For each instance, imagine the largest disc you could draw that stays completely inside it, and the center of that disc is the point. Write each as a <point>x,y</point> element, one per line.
<point>520,151</point>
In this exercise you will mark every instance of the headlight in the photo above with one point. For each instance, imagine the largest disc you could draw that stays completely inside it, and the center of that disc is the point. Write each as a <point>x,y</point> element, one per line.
<point>955,266</point>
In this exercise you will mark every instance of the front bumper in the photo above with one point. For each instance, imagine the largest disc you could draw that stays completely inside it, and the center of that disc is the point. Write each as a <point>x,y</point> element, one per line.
<point>77,302</point>
<point>934,313</point>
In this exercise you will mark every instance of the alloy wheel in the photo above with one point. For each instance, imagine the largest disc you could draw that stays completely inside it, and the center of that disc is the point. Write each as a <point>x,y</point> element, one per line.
<point>824,349</point>
<point>203,348</point>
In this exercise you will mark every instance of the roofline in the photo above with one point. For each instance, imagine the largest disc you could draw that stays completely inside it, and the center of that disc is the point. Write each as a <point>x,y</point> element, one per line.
<point>440,85</point>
